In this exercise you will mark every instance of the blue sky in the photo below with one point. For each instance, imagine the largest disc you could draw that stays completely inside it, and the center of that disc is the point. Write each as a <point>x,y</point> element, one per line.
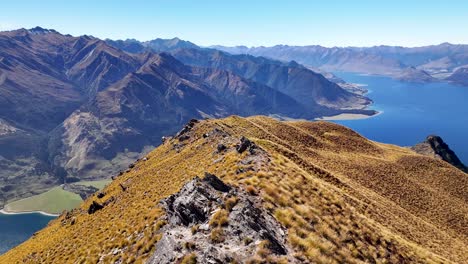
<point>252,22</point>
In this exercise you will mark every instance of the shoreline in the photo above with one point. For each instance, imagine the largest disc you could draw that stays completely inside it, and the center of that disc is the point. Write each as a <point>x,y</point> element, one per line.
<point>347,116</point>
<point>4,212</point>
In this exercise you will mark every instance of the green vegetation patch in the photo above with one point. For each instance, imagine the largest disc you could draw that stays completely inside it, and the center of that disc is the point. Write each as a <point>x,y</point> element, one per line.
<point>53,201</point>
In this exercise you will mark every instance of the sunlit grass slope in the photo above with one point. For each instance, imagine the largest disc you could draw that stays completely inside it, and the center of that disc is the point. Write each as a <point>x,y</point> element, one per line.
<point>343,198</point>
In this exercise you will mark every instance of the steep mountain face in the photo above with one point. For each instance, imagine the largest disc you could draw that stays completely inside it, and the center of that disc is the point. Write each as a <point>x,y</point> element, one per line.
<point>134,113</point>
<point>274,192</point>
<point>435,147</point>
<point>44,77</point>
<point>85,108</point>
<point>437,61</point>
<point>290,78</point>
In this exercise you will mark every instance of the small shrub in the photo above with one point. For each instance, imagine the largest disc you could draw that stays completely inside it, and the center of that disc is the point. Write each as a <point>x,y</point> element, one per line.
<point>194,229</point>
<point>217,235</point>
<point>251,190</point>
<point>189,259</point>
<point>231,202</point>
<point>247,240</point>
<point>220,218</point>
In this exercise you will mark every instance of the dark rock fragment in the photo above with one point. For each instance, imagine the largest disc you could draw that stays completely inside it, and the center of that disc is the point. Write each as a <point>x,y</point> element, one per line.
<point>221,147</point>
<point>187,128</point>
<point>184,137</point>
<point>216,183</point>
<point>243,145</point>
<point>95,206</point>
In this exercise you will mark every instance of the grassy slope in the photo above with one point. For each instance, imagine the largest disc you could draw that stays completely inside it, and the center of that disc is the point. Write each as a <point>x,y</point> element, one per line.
<point>343,198</point>
<point>53,201</point>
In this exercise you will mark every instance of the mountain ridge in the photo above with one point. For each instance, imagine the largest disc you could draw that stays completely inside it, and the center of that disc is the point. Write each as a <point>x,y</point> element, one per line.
<point>437,60</point>
<point>340,197</point>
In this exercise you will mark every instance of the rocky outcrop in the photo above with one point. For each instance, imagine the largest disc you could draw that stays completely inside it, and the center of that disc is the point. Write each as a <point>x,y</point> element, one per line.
<point>213,222</point>
<point>94,207</point>
<point>435,147</point>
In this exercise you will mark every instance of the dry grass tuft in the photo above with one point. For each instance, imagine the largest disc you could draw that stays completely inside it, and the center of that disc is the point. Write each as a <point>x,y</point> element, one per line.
<point>189,259</point>
<point>220,218</point>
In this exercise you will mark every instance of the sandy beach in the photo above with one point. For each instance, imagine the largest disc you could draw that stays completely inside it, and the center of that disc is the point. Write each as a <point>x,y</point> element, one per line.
<point>348,116</point>
<point>2,211</point>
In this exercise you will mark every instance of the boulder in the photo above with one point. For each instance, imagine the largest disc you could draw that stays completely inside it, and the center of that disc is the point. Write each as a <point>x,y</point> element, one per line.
<point>94,207</point>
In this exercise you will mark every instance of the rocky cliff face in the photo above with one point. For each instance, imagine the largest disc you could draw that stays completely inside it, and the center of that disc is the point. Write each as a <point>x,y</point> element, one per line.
<point>435,146</point>
<point>216,223</point>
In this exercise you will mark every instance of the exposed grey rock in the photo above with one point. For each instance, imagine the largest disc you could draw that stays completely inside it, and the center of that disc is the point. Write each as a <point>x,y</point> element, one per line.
<point>189,212</point>
<point>187,128</point>
<point>216,183</point>
<point>95,206</point>
<point>244,144</point>
<point>221,147</point>
<point>435,146</point>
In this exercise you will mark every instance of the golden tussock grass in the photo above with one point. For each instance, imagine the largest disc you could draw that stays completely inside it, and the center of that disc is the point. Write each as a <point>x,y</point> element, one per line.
<point>343,199</point>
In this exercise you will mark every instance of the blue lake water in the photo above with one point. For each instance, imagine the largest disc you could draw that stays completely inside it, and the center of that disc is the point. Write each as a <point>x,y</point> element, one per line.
<point>14,229</point>
<point>412,111</point>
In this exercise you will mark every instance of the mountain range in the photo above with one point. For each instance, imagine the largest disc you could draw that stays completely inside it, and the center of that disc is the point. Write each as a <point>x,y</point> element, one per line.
<point>74,108</point>
<point>419,64</point>
<point>259,190</point>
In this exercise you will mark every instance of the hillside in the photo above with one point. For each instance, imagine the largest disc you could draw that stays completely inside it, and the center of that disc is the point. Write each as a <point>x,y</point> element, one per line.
<point>460,76</point>
<point>331,195</point>
<point>81,108</point>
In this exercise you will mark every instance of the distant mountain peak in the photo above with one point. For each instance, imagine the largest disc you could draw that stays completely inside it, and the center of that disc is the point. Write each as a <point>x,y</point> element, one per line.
<point>39,30</point>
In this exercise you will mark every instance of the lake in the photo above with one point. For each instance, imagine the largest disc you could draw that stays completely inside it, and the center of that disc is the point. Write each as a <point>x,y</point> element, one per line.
<point>412,111</point>
<point>14,229</point>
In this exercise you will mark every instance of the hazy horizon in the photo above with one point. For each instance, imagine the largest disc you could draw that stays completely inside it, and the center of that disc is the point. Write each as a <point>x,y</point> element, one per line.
<point>265,46</point>
<point>361,23</point>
